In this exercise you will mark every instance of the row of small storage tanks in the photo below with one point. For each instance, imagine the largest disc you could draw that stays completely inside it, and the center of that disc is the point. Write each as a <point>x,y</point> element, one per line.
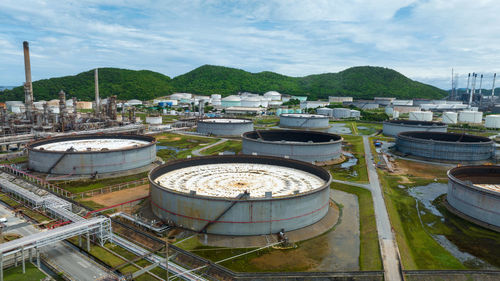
<point>465,116</point>
<point>339,113</point>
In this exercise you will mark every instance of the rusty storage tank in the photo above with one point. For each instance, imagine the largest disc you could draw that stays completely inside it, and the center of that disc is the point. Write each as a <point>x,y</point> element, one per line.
<point>240,194</point>
<point>393,127</point>
<point>309,146</point>
<point>224,126</point>
<point>303,121</point>
<point>91,154</point>
<point>445,146</point>
<point>474,193</point>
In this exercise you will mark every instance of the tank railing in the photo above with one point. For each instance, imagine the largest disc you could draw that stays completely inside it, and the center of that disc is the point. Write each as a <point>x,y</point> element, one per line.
<point>36,180</point>
<point>149,224</point>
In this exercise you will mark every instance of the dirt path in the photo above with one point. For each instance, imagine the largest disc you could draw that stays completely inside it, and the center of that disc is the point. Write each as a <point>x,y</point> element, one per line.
<point>117,197</point>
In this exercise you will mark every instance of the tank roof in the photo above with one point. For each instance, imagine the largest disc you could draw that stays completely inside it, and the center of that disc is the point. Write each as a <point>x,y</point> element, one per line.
<point>225,120</point>
<point>415,123</point>
<point>91,143</point>
<point>301,115</point>
<point>297,136</point>
<point>445,137</point>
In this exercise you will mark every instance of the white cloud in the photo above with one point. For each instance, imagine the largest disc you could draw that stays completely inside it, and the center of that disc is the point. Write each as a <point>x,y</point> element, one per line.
<point>287,36</point>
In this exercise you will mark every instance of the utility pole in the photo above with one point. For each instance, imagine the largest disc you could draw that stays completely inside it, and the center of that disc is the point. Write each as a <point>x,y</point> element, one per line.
<point>166,257</point>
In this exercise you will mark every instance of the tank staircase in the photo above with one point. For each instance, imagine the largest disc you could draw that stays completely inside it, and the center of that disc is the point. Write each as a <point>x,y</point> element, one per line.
<point>239,197</point>
<point>59,160</point>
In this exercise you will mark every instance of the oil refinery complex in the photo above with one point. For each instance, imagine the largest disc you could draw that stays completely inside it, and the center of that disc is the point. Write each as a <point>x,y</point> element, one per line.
<point>250,186</point>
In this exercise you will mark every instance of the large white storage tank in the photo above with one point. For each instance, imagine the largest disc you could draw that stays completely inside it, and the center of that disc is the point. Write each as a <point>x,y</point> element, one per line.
<point>324,111</point>
<point>395,114</point>
<point>421,115</point>
<point>475,117</point>
<point>492,121</point>
<point>450,117</point>
<point>154,120</point>
<point>273,95</point>
<point>341,113</point>
<point>231,101</point>
<point>250,102</point>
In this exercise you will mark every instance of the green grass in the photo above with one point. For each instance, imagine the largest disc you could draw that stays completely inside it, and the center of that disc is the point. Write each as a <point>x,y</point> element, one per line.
<point>15,160</point>
<point>358,172</point>
<point>230,145</point>
<point>87,185</point>
<point>369,257</point>
<point>418,249</point>
<point>185,144</point>
<point>16,273</point>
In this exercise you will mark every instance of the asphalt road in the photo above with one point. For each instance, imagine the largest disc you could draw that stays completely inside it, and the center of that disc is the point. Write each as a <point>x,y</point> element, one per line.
<point>197,152</point>
<point>388,244</point>
<point>65,258</point>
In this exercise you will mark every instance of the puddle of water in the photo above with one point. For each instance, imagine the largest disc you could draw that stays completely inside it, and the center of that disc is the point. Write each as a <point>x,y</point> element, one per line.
<point>351,161</point>
<point>339,128</point>
<point>426,195</point>
<point>228,153</point>
<point>176,149</point>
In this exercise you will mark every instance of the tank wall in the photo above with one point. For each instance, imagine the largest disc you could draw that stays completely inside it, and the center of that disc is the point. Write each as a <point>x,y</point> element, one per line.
<point>306,122</point>
<point>89,163</point>
<point>445,150</point>
<point>391,129</point>
<point>224,129</point>
<point>474,203</point>
<point>303,152</point>
<point>245,217</point>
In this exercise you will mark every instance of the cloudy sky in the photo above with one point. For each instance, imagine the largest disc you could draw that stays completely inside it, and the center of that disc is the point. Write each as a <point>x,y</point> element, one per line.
<point>421,39</point>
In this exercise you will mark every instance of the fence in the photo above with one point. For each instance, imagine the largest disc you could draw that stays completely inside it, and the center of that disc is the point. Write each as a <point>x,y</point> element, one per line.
<point>111,188</point>
<point>38,181</point>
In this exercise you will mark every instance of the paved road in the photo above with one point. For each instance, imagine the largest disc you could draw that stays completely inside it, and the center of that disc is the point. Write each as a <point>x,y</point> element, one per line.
<point>388,244</point>
<point>65,258</point>
<point>198,151</point>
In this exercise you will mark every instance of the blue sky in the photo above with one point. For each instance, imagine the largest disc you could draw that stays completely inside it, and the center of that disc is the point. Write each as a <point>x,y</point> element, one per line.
<point>421,39</point>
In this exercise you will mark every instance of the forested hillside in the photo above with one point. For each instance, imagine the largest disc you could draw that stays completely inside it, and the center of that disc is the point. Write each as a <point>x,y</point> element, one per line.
<point>363,82</point>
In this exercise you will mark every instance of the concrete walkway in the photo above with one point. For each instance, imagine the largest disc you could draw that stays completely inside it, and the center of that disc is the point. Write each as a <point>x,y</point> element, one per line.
<point>387,242</point>
<point>198,151</point>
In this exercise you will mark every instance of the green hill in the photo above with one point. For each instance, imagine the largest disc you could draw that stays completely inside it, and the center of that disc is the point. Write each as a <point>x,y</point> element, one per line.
<point>126,84</point>
<point>360,82</point>
<point>363,82</point>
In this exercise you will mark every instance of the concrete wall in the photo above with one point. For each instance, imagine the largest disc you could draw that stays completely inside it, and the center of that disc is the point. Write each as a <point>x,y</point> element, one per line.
<point>254,216</point>
<point>224,129</point>
<point>445,150</point>
<point>303,122</point>
<point>472,201</point>
<point>392,129</point>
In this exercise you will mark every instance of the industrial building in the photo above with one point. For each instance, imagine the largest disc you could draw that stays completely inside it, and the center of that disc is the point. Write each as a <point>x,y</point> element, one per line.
<point>393,127</point>
<point>224,126</point>
<point>305,121</point>
<point>240,195</point>
<point>91,154</point>
<point>309,146</point>
<point>474,193</point>
<point>445,146</point>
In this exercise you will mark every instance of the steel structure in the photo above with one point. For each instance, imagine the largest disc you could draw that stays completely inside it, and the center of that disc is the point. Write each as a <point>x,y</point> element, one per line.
<point>96,159</point>
<point>393,127</point>
<point>445,146</point>
<point>474,193</point>
<point>57,208</point>
<point>243,214</point>
<point>305,121</point>
<point>309,146</point>
<point>224,126</point>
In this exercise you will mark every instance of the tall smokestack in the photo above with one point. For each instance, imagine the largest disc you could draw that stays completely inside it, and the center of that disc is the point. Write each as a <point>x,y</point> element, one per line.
<point>493,86</point>
<point>468,80</point>
<point>481,91</point>
<point>471,96</point>
<point>28,86</point>
<point>97,100</point>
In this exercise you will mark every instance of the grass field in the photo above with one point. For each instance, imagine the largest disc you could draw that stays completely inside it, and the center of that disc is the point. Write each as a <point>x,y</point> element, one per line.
<point>16,273</point>
<point>87,185</point>
<point>369,257</point>
<point>15,160</point>
<point>180,146</point>
<point>230,145</point>
<point>358,172</point>
<point>418,249</point>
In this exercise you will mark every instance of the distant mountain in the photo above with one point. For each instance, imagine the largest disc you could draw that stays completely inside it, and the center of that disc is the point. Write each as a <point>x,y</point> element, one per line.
<point>126,84</point>
<point>6,87</point>
<point>359,82</point>
<point>364,82</point>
